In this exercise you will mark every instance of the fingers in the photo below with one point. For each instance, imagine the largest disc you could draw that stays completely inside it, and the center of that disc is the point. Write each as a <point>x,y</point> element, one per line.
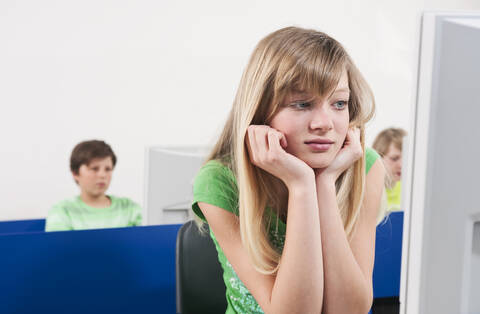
<point>274,141</point>
<point>352,141</point>
<point>252,144</point>
<point>353,136</point>
<point>258,145</point>
<point>264,143</point>
<point>283,140</point>
<point>355,133</point>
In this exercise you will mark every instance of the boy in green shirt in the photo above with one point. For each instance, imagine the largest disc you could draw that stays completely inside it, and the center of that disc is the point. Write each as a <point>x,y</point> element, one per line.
<point>92,164</point>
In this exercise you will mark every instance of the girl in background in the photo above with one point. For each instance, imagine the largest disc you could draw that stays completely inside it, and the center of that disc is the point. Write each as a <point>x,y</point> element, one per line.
<point>388,144</point>
<point>289,191</point>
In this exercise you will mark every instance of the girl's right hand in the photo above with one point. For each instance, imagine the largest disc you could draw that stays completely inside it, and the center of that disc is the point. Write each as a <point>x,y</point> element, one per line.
<point>266,148</point>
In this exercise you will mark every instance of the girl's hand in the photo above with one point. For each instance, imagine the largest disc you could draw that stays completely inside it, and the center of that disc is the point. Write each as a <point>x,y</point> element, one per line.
<point>266,148</point>
<point>348,154</point>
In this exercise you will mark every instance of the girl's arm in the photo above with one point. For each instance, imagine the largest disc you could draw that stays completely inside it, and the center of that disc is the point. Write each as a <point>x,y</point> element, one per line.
<point>297,287</point>
<point>348,265</point>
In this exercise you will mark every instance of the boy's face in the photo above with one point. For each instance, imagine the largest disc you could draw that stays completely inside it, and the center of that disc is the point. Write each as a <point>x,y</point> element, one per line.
<point>94,178</point>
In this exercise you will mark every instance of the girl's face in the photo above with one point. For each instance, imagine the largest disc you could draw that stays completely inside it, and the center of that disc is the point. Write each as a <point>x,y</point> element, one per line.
<point>94,178</point>
<point>315,127</point>
<point>393,162</point>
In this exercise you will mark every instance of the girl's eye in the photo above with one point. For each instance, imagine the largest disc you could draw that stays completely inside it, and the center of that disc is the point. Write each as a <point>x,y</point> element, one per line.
<point>301,105</point>
<point>339,105</point>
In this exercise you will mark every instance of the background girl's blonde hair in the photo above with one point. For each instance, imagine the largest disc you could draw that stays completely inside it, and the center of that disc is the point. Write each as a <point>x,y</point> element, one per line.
<point>387,137</point>
<point>289,59</point>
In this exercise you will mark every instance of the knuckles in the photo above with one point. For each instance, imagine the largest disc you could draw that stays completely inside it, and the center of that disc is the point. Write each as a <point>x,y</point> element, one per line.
<point>358,152</point>
<point>266,159</point>
<point>271,158</point>
<point>262,158</point>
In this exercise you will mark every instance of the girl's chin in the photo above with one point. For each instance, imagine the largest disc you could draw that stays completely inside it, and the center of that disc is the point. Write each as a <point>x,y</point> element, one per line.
<point>316,164</point>
<point>316,161</point>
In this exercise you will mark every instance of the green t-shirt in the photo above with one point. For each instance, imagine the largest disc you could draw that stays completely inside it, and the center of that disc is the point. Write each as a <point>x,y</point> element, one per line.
<point>215,184</point>
<point>74,214</point>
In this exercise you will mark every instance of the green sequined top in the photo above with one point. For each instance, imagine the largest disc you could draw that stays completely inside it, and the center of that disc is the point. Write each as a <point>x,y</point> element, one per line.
<point>215,184</point>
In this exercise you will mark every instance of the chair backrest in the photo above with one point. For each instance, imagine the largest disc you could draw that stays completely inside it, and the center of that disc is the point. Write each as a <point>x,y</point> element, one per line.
<point>199,276</point>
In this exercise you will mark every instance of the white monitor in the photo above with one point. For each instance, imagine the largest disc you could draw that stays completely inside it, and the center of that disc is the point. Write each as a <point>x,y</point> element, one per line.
<point>169,175</point>
<point>441,245</point>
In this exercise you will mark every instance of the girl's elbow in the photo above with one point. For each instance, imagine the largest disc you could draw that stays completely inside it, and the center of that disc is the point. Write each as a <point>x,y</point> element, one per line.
<point>362,302</point>
<point>366,301</point>
<point>362,306</point>
<point>368,304</point>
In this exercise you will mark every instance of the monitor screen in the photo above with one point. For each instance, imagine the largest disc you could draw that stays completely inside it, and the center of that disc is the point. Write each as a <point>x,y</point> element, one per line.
<point>169,175</point>
<point>441,255</point>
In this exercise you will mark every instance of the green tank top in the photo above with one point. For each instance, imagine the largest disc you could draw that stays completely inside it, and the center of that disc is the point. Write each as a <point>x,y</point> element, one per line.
<point>215,184</point>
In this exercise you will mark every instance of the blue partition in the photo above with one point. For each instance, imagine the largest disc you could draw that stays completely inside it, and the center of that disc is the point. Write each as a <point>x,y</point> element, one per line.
<point>388,257</point>
<point>22,226</point>
<point>126,270</point>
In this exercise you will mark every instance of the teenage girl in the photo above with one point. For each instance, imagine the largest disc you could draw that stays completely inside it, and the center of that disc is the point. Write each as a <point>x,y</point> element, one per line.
<point>289,191</point>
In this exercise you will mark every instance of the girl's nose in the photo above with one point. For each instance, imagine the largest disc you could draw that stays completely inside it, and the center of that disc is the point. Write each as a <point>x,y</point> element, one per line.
<point>321,120</point>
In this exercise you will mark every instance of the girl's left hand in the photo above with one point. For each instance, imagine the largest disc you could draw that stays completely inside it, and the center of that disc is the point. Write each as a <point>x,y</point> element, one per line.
<point>348,154</point>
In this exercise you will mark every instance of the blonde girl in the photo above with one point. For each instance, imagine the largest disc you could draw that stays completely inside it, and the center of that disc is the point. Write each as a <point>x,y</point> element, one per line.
<point>388,144</point>
<point>289,191</point>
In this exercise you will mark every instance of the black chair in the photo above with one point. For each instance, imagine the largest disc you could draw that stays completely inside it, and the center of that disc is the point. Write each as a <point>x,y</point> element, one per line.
<point>199,276</point>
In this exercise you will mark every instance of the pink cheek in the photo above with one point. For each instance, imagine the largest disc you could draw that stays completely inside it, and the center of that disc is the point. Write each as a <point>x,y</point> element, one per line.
<point>342,128</point>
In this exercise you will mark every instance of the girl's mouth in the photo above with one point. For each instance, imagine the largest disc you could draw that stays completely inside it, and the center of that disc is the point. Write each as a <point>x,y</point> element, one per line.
<point>319,147</point>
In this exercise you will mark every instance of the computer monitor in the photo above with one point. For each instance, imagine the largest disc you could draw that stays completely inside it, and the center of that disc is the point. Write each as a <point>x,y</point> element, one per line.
<point>441,245</point>
<point>169,175</point>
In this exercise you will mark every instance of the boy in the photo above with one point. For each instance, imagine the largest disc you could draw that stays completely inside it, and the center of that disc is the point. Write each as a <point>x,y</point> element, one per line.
<point>92,164</point>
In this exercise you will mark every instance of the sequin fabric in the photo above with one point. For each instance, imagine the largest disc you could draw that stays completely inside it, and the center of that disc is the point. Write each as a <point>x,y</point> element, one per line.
<point>239,299</point>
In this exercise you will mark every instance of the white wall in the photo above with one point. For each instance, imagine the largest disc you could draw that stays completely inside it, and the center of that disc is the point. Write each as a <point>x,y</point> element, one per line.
<point>141,73</point>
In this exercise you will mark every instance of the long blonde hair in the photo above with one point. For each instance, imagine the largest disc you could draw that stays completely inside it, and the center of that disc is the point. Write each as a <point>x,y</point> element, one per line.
<point>290,58</point>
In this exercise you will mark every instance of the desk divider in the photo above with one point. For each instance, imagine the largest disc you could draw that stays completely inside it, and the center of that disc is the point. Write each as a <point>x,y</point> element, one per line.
<point>22,226</point>
<point>124,270</point>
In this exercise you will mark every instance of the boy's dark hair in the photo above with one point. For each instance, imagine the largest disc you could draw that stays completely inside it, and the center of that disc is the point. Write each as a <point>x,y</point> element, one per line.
<point>86,151</point>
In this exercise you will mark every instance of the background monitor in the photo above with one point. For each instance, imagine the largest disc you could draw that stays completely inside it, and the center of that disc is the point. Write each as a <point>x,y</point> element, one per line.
<point>441,250</point>
<point>169,175</point>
